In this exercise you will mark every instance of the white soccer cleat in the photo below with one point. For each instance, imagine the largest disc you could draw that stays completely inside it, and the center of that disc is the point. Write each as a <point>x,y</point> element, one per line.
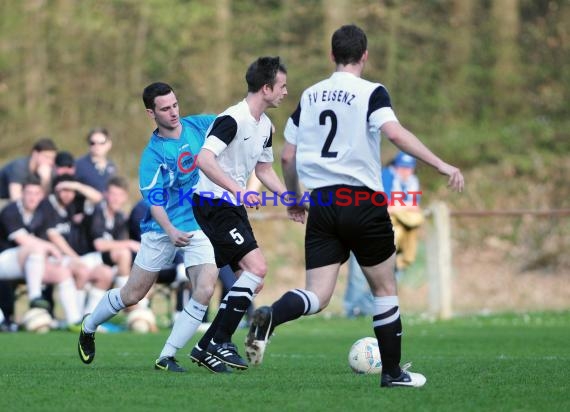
<point>255,350</point>
<point>406,379</point>
<point>258,335</point>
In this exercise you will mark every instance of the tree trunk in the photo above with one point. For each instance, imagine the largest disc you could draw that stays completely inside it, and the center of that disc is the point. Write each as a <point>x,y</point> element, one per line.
<point>34,68</point>
<point>506,76</point>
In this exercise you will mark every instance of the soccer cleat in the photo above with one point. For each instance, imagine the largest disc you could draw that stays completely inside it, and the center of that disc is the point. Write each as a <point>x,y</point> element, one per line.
<point>406,379</point>
<point>203,358</point>
<point>258,335</point>
<point>86,345</point>
<point>227,353</point>
<point>168,363</point>
<point>40,303</point>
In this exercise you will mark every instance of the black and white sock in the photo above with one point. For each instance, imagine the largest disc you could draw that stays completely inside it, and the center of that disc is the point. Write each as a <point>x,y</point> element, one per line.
<point>234,306</point>
<point>294,304</point>
<point>388,330</point>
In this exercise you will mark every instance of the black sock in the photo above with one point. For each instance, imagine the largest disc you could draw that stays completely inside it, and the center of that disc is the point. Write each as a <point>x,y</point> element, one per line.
<point>390,342</point>
<point>289,307</point>
<point>238,300</point>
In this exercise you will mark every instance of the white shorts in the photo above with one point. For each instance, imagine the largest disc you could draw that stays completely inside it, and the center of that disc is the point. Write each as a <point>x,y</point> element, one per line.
<point>157,251</point>
<point>91,259</point>
<point>10,269</point>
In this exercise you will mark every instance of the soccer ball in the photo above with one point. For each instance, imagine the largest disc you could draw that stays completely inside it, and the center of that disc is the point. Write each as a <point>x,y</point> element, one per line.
<point>141,320</point>
<point>37,320</point>
<point>364,356</point>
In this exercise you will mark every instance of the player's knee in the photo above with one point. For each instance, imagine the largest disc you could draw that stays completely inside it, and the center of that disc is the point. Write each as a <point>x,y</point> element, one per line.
<point>203,292</point>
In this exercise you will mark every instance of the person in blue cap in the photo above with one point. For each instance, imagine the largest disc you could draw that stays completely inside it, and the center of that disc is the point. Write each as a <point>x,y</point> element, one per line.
<point>401,182</point>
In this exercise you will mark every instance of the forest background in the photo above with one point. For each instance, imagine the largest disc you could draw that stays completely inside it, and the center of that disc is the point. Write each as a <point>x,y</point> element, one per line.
<point>485,83</point>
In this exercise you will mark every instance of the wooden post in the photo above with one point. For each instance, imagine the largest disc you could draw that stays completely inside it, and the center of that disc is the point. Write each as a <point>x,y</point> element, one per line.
<point>439,260</point>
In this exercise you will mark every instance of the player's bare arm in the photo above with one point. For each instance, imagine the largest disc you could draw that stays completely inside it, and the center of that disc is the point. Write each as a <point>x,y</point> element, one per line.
<point>288,162</point>
<point>209,165</point>
<point>409,143</point>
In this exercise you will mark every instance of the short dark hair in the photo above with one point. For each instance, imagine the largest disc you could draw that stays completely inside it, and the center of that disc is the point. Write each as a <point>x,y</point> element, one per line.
<point>154,90</point>
<point>348,44</point>
<point>96,130</point>
<point>32,180</point>
<point>263,71</point>
<point>64,159</point>
<point>45,144</point>
<point>118,181</point>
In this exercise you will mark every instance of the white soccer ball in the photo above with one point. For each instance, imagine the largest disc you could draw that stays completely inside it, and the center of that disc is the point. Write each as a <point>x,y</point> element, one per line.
<point>364,356</point>
<point>141,320</point>
<point>37,320</point>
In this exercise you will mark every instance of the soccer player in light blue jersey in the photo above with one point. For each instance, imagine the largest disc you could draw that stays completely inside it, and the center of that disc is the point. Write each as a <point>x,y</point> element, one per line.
<point>167,174</point>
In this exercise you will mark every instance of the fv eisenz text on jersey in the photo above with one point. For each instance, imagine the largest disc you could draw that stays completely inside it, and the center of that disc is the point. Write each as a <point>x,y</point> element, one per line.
<point>340,96</point>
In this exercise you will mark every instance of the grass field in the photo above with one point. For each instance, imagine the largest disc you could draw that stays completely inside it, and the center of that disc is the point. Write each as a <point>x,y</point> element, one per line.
<point>492,363</point>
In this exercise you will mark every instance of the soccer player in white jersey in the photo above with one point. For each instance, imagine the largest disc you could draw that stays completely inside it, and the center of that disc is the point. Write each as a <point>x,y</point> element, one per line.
<point>239,141</point>
<point>333,147</point>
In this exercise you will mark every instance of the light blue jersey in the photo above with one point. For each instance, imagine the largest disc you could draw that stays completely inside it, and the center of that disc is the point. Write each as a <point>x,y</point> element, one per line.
<point>168,174</point>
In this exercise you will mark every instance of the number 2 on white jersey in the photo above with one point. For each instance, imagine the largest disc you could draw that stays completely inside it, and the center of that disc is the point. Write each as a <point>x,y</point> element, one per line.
<point>325,152</point>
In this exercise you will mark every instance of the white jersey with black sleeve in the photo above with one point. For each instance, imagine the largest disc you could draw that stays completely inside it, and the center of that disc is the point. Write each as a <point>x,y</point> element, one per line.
<point>239,142</point>
<point>336,128</point>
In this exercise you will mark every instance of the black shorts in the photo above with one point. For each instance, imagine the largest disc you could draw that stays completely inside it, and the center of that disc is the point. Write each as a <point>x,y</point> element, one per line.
<point>227,226</point>
<point>341,220</point>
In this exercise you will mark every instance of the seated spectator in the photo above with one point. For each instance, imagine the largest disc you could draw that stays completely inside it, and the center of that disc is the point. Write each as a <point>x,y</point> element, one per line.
<point>74,239</point>
<point>95,168</point>
<point>26,254</point>
<point>39,163</point>
<point>110,230</point>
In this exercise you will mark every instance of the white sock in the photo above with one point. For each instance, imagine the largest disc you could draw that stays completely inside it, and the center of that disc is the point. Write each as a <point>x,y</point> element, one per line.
<point>184,327</point>
<point>34,268</point>
<point>68,300</point>
<point>120,281</point>
<point>143,303</point>
<point>93,298</point>
<point>81,297</point>
<point>107,307</point>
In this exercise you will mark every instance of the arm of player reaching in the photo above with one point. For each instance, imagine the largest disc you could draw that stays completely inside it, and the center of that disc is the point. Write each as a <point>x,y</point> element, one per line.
<point>409,143</point>
<point>289,165</point>
<point>208,164</point>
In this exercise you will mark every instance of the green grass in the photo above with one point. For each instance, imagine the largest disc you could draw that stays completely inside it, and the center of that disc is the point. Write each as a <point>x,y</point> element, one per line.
<point>515,362</point>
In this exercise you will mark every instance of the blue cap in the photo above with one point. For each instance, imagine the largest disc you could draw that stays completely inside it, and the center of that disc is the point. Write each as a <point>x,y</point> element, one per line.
<point>404,160</point>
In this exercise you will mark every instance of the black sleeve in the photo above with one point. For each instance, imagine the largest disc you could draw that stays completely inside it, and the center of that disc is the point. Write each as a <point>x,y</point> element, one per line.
<point>224,128</point>
<point>11,219</point>
<point>96,224</point>
<point>378,99</point>
<point>296,115</point>
<point>269,142</point>
<point>120,230</point>
<point>135,218</point>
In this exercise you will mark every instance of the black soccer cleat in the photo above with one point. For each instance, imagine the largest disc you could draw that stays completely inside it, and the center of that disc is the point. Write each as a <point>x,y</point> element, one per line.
<point>168,363</point>
<point>406,379</point>
<point>227,353</point>
<point>86,345</point>
<point>258,335</point>
<point>203,358</point>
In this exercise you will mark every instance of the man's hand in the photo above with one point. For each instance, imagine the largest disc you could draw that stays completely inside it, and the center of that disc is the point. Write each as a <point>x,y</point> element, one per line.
<point>252,200</point>
<point>179,238</point>
<point>456,181</point>
<point>296,213</point>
